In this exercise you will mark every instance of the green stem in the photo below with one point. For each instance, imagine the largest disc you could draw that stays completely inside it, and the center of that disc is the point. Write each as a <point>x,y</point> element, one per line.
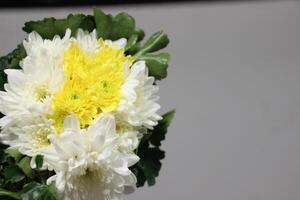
<point>5,193</point>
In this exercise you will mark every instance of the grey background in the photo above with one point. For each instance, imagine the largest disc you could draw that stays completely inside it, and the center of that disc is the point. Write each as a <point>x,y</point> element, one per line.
<point>234,79</point>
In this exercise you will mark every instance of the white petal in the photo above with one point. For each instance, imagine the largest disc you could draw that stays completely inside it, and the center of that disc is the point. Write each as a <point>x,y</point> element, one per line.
<point>105,122</point>
<point>71,122</point>
<point>120,42</point>
<point>15,78</point>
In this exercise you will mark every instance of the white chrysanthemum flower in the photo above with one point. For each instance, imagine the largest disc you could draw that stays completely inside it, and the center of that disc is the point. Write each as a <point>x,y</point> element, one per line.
<point>28,133</point>
<point>29,89</point>
<point>87,162</point>
<point>88,42</point>
<point>139,106</point>
<point>128,141</point>
<point>128,136</point>
<point>38,49</point>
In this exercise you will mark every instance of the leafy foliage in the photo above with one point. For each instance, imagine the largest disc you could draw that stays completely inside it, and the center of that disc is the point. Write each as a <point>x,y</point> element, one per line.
<point>123,26</point>
<point>5,194</point>
<point>147,169</point>
<point>24,165</point>
<point>39,159</point>
<point>49,27</point>
<point>37,191</point>
<point>16,175</point>
<point>156,42</point>
<point>13,173</point>
<point>11,61</point>
<point>157,63</point>
<point>160,131</point>
<point>103,23</point>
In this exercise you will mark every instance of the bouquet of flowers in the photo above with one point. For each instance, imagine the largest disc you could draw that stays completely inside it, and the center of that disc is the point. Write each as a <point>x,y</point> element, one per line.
<point>79,109</point>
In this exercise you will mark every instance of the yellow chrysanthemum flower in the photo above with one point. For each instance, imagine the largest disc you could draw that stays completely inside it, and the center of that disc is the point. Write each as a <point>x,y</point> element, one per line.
<point>93,83</point>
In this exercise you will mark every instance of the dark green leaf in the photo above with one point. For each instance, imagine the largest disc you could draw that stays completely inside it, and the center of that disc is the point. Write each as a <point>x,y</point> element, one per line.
<point>16,56</point>
<point>10,61</point>
<point>13,59</point>
<point>88,23</point>
<point>123,26</point>
<point>131,42</point>
<point>139,173</point>
<point>2,157</point>
<point>37,191</point>
<point>3,147</point>
<point>134,49</point>
<point>147,169</point>
<point>2,80</point>
<point>157,64</point>
<point>49,27</point>
<point>140,33</point>
<point>73,22</point>
<point>14,153</point>
<point>24,165</point>
<point>4,62</point>
<point>151,164</point>
<point>103,23</point>
<point>160,131</point>
<point>30,186</point>
<point>9,194</point>
<point>156,42</point>
<point>13,173</point>
<point>46,27</point>
<point>39,161</point>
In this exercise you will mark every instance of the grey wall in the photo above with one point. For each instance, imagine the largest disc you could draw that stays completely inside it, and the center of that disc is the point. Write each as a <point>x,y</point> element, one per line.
<point>234,79</point>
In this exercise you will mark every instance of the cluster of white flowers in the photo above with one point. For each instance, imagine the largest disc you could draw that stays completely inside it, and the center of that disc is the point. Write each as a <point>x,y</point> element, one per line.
<point>91,160</point>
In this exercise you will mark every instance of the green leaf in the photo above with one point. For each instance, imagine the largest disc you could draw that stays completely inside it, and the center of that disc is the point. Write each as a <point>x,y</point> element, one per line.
<point>13,173</point>
<point>3,80</point>
<point>29,186</point>
<point>45,27</point>
<point>131,42</point>
<point>156,42</point>
<point>24,165</point>
<point>37,191</point>
<point>160,131</point>
<point>9,194</point>
<point>151,164</point>
<point>73,22</point>
<point>157,64</point>
<point>147,169</point>
<point>139,173</point>
<point>140,33</point>
<point>2,157</point>
<point>16,56</point>
<point>13,59</point>
<point>14,153</point>
<point>123,26</point>
<point>103,23</point>
<point>49,27</point>
<point>134,49</point>
<point>39,159</point>
<point>87,24</point>
<point>10,61</point>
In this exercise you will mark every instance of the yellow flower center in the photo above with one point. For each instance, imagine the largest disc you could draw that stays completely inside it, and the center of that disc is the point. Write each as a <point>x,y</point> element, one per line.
<point>93,83</point>
<point>41,92</point>
<point>40,138</point>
